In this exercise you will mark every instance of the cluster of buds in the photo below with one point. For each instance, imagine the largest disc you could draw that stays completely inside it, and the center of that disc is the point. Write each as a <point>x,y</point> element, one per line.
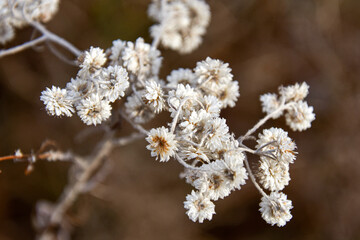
<point>91,92</point>
<point>103,79</point>
<point>197,136</point>
<point>18,13</point>
<point>181,23</point>
<point>277,150</point>
<point>299,115</point>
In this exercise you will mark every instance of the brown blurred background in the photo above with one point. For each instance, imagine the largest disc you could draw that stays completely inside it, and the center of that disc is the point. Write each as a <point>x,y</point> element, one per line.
<point>266,43</point>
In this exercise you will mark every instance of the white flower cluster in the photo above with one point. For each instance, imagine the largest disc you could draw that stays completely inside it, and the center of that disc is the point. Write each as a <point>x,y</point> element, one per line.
<point>197,136</point>
<point>18,13</point>
<point>181,23</point>
<point>91,92</point>
<point>104,78</point>
<point>278,150</point>
<point>300,115</point>
<point>273,174</point>
<point>274,168</point>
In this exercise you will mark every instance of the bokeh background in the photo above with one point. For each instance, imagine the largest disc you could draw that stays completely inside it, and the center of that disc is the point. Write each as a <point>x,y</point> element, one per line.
<point>267,44</point>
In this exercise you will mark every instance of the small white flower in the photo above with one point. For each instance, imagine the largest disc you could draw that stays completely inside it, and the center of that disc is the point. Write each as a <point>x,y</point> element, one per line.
<point>162,143</point>
<point>180,76</point>
<point>43,10</point>
<point>295,92</point>
<point>40,11</point>
<point>277,141</point>
<point>91,61</point>
<point>116,52</point>
<point>217,179</point>
<point>273,175</point>
<point>191,39</point>
<point>113,82</point>
<point>154,95</point>
<point>141,59</point>
<point>299,117</point>
<point>93,110</point>
<point>169,36</point>
<point>195,122</point>
<point>181,93</point>
<point>275,209</point>
<point>228,94</point>
<point>212,105</point>
<point>217,133</point>
<point>201,13</point>
<point>270,103</point>
<point>213,72</point>
<point>78,88</point>
<point>57,102</point>
<point>235,172</point>
<point>154,10</point>
<point>181,23</point>
<point>199,207</point>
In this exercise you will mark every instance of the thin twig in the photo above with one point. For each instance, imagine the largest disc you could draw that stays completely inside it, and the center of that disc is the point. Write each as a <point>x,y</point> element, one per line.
<point>72,194</point>
<point>98,157</point>
<point>22,47</point>
<point>186,165</point>
<point>126,140</point>
<point>282,107</point>
<point>56,39</point>
<point>134,125</point>
<point>58,54</point>
<point>252,177</point>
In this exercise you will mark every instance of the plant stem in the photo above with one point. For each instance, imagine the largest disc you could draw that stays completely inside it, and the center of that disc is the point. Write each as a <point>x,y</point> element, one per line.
<point>253,179</point>
<point>56,39</point>
<point>282,107</point>
<point>22,47</point>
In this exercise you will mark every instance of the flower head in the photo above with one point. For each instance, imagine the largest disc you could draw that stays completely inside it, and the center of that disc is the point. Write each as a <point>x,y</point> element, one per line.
<point>116,52</point>
<point>215,182</point>
<point>275,209</point>
<point>141,59</point>
<point>180,76</point>
<point>154,95</point>
<point>273,175</point>
<point>199,207</point>
<point>270,103</point>
<point>91,61</point>
<point>181,23</point>
<point>235,173</point>
<point>218,133</point>
<point>299,117</point>
<point>213,72</point>
<point>93,110</point>
<point>162,143</point>
<point>113,82</point>
<point>277,141</point>
<point>57,102</point>
<point>78,88</point>
<point>295,92</point>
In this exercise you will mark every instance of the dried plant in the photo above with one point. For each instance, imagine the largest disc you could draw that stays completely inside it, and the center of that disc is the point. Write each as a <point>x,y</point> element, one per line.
<point>196,136</point>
